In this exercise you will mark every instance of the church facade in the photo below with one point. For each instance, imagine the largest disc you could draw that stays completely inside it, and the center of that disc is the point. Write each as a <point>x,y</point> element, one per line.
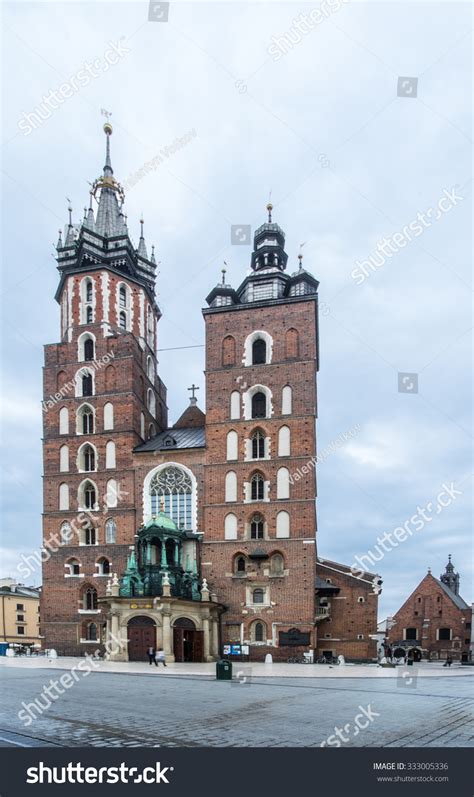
<point>200,537</point>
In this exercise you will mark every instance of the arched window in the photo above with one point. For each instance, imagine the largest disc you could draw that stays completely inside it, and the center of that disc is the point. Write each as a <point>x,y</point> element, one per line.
<point>74,567</point>
<point>110,532</point>
<point>88,536</point>
<point>151,431</point>
<point>235,405</point>
<point>111,496</point>
<point>259,405</point>
<point>86,381</point>
<point>286,400</point>
<point>173,486</point>
<point>110,378</point>
<point>257,487</point>
<point>123,296</point>
<point>258,444</point>
<point>231,486</point>
<point>89,599</point>
<point>258,632</point>
<point>88,349</point>
<point>292,344</point>
<point>85,420</point>
<point>87,459</point>
<point>232,445</point>
<point>103,566</point>
<point>257,527</point>
<point>259,352</point>
<point>258,595</point>
<point>276,564</point>
<point>283,483</point>
<point>88,291</point>
<point>151,402</point>
<point>284,441</point>
<point>282,524</point>
<point>150,369</point>
<point>123,321</point>
<point>228,352</point>
<point>110,454</point>
<point>230,527</point>
<point>87,495</point>
<point>108,416</point>
<point>65,534</point>
<point>142,425</point>
<point>240,564</point>
<point>63,421</point>
<point>87,301</point>
<point>89,315</point>
<point>64,459</point>
<point>63,496</point>
<point>91,632</point>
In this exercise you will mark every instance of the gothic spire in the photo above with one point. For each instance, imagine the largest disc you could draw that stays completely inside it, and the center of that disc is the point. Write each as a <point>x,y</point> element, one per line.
<point>109,221</point>
<point>70,229</point>
<point>142,251</point>
<point>108,171</point>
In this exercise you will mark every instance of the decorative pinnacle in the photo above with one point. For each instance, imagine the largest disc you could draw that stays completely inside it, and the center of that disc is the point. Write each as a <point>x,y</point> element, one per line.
<point>269,208</point>
<point>141,226</point>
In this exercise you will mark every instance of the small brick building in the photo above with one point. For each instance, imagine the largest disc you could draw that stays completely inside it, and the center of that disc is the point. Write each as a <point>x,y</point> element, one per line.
<point>434,622</point>
<point>238,483</point>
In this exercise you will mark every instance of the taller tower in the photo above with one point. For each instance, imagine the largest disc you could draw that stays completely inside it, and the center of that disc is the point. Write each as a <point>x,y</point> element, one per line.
<point>102,397</point>
<point>259,545</point>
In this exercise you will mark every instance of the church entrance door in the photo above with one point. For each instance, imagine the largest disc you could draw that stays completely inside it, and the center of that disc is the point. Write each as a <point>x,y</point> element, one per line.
<point>141,636</point>
<point>188,643</point>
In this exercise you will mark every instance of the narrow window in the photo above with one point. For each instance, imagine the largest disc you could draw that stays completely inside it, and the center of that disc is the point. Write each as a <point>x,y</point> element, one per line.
<point>87,385</point>
<point>258,595</point>
<point>259,352</point>
<point>257,527</point>
<point>257,487</point>
<point>258,445</point>
<point>122,296</point>
<point>259,405</point>
<point>123,321</point>
<point>89,349</point>
<point>89,315</point>
<point>258,632</point>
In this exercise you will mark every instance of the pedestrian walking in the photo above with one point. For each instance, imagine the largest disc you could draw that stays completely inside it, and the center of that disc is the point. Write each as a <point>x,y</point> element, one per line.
<point>151,656</point>
<point>160,657</point>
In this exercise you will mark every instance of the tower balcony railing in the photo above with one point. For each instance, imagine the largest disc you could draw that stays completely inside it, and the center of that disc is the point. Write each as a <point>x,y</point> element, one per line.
<point>322,612</point>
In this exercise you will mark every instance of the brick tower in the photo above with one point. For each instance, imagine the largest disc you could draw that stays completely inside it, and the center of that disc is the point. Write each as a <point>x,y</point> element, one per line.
<point>259,545</point>
<point>102,397</point>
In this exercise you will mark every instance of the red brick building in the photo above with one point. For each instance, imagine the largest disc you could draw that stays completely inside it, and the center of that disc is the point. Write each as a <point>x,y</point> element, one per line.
<point>434,622</point>
<point>216,516</point>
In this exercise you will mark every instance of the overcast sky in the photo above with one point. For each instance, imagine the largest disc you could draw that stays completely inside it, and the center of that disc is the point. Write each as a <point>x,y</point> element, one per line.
<point>348,163</point>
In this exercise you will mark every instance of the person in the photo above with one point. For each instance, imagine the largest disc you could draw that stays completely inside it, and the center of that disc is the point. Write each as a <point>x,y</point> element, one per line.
<point>151,656</point>
<point>160,656</point>
<point>449,661</point>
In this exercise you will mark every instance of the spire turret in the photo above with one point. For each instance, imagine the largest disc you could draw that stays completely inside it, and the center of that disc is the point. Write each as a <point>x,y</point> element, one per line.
<point>450,577</point>
<point>142,251</point>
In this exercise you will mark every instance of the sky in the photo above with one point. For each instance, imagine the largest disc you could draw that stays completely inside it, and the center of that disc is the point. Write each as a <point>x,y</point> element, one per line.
<point>359,126</point>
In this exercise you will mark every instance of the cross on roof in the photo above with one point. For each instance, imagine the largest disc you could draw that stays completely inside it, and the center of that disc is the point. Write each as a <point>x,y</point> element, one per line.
<point>193,388</point>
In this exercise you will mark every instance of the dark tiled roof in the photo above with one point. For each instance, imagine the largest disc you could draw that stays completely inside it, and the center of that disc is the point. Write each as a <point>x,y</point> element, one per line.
<point>172,439</point>
<point>456,599</point>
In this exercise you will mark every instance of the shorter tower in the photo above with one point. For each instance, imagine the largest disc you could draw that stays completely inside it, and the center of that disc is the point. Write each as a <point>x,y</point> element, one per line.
<point>450,577</point>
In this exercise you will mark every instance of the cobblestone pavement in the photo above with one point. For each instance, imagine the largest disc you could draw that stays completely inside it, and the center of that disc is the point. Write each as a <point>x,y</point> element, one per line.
<point>113,710</point>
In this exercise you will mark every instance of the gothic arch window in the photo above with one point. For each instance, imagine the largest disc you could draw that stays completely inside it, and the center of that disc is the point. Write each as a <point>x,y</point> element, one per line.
<point>151,431</point>
<point>277,564</point>
<point>87,301</point>
<point>87,495</point>
<point>110,531</point>
<point>64,459</point>
<point>151,402</point>
<point>111,495</point>
<point>123,321</point>
<point>103,566</point>
<point>65,534</point>
<point>259,405</point>
<point>258,632</point>
<point>240,563</point>
<point>292,344</point>
<point>230,526</point>
<point>286,400</point>
<point>231,486</point>
<point>110,454</point>
<point>258,444</point>
<point>63,421</point>
<point>228,351</point>
<point>89,599</point>
<point>172,486</point>
<point>235,405</point>
<point>91,632</point>
<point>87,458</point>
<point>284,441</point>
<point>63,496</point>
<point>283,483</point>
<point>88,536</point>
<point>87,384</point>
<point>108,416</point>
<point>257,527</point>
<point>232,445</point>
<point>61,380</point>
<point>257,487</point>
<point>150,369</point>
<point>282,524</point>
<point>73,567</point>
<point>259,352</point>
<point>150,328</point>
<point>142,425</point>
<point>123,296</point>
<point>89,315</point>
<point>85,420</point>
<point>88,290</point>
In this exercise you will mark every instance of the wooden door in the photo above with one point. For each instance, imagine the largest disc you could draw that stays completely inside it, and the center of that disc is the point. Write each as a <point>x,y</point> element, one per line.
<point>198,645</point>
<point>140,638</point>
<point>178,644</point>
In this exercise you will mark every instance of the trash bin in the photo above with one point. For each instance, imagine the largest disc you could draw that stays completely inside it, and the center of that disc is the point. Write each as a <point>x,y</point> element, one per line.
<point>223,670</point>
<point>410,662</point>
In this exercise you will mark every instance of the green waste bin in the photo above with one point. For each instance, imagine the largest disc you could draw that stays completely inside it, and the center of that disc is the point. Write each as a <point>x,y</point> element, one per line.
<point>223,670</point>
<point>410,662</point>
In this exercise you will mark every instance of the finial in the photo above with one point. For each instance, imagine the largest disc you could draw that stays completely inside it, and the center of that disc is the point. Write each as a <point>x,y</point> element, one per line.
<point>70,212</point>
<point>141,226</point>
<point>429,571</point>
<point>193,389</point>
<point>60,240</point>
<point>269,208</point>
<point>223,275</point>
<point>449,558</point>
